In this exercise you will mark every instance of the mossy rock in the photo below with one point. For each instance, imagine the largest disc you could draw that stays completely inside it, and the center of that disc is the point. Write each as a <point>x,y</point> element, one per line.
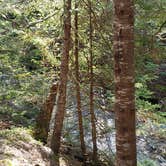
<point>6,162</point>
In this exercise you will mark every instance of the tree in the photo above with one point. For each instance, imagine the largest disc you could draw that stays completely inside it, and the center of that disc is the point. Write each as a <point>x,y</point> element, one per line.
<point>91,96</point>
<point>124,82</point>
<point>42,121</point>
<point>61,98</point>
<point>77,75</point>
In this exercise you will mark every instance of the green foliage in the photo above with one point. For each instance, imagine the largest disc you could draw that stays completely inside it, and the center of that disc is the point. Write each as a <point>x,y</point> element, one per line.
<point>143,105</point>
<point>33,57</point>
<point>16,134</point>
<point>147,162</point>
<point>24,53</point>
<point>144,97</point>
<point>31,38</point>
<point>159,117</point>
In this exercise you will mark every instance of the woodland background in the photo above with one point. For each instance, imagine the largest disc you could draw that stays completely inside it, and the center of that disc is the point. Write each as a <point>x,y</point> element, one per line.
<point>31,43</point>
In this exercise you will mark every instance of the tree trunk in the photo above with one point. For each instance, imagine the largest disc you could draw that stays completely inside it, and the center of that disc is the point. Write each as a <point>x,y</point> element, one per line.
<point>124,82</point>
<point>42,122</point>
<point>78,95</point>
<point>61,98</point>
<point>91,97</point>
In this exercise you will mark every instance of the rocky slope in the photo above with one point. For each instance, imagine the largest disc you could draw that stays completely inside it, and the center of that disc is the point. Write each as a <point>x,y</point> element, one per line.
<point>19,148</point>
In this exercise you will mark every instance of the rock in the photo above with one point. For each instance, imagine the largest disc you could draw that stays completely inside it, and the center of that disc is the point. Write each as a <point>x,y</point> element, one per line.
<point>19,148</point>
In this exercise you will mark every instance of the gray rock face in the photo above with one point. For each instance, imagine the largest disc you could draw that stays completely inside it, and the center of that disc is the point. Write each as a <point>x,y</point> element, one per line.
<point>23,150</point>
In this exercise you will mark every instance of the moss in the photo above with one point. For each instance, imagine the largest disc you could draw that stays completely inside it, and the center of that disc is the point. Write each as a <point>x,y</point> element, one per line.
<point>16,134</point>
<point>6,162</point>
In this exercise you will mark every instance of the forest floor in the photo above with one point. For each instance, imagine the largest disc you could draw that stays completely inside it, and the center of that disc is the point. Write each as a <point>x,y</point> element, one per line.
<point>19,148</point>
<point>151,142</point>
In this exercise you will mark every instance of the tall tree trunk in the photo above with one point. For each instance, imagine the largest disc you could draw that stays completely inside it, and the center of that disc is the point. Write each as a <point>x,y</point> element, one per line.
<point>124,82</point>
<point>91,96</point>
<point>78,95</point>
<point>61,98</point>
<point>42,122</point>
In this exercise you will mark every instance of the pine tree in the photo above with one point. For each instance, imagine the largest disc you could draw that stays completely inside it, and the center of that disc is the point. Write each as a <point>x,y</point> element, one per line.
<point>91,96</point>
<point>124,82</point>
<point>61,98</point>
<point>78,95</point>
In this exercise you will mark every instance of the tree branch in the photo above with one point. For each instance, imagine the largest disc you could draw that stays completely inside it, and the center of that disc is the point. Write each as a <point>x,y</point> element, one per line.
<point>44,19</point>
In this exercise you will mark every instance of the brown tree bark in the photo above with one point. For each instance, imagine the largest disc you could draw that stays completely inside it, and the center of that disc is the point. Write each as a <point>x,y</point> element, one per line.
<point>42,122</point>
<point>124,82</point>
<point>91,96</point>
<point>77,75</point>
<point>61,98</point>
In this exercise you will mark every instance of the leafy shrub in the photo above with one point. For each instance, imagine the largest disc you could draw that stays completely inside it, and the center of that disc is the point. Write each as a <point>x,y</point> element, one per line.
<point>144,97</point>
<point>147,162</point>
<point>32,58</point>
